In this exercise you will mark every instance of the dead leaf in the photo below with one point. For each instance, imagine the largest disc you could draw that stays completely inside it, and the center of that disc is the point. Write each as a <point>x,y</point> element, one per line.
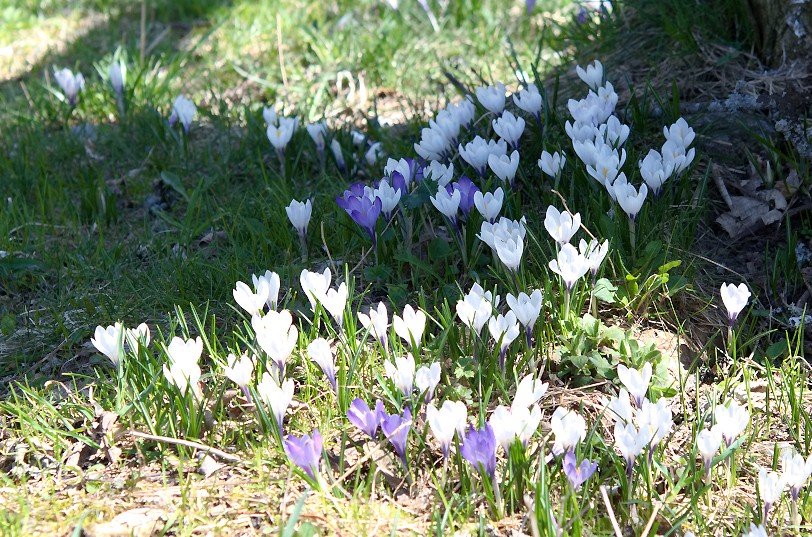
<point>208,466</point>
<point>140,522</point>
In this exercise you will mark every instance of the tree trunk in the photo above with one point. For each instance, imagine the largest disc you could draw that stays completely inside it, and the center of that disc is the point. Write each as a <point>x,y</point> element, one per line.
<point>783,30</point>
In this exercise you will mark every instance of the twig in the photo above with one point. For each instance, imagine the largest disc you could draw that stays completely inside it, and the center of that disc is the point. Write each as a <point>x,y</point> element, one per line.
<point>610,511</point>
<point>720,184</point>
<point>279,50</point>
<point>143,45</point>
<point>651,519</point>
<point>188,443</point>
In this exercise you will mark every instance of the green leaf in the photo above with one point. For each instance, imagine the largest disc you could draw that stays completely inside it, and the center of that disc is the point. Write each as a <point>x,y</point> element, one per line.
<point>173,181</point>
<point>439,249</point>
<point>605,291</point>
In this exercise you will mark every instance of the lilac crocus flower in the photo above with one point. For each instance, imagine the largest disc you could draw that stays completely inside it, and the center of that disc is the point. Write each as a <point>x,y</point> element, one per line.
<point>467,189</point>
<point>396,428</point>
<point>305,452</point>
<point>365,419</point>
<point>363,211</point>
<point>479,449</point>
<point>578,474</point>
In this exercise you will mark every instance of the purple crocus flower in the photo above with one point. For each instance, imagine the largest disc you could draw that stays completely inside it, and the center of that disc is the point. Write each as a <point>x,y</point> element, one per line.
<point>467,190</point>
<point>396,428</point>
<point>363,211</point>
<point>530,4</point>
<point>356,190</point>
<point>578,474</point>
<point>305,452</point>
<point>479,449</point>
<point>365,419</point>
<point>399,183</point>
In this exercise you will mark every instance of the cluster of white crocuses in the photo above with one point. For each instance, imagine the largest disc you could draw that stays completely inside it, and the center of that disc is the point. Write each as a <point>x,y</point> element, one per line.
<point>598,137</point>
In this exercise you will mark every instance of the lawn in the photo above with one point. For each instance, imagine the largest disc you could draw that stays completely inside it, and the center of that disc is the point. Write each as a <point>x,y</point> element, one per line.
<point>363,268</point>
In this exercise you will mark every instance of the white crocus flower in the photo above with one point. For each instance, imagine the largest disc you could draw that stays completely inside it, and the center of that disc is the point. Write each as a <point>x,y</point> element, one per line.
<point>427,378</point>
<point>637,382</point>
<point>183,111</point>
<point>592,75</point>
<point>631,442</point>
<point>117,73</point>
<point>446,203</point>
<point>580,132</point>
<point>475,308</point>
<point>335,301</point>
<point>657,419</point>
<point>510,251</point>
<point>594,253</point>
<point>277,397</point>
<point>561,225</point>
<point>731,420</point>
<point>504,329</point>
<point>795,471</point>
<point>619,408</point>
<point>476,153</point>
<point>251,301</point>
<point>374,152</point>
<point>756,531</point>
<point>317,132</point>
<point>138,336</point>
<point>299,213</point>
<point>527,309</point>
<point>184,371</point>
<point>434,144</point>
<point>280,135</point>
<point>504,167</point>
<point>277,335</point>
<point>492,98</point>
<point>411,326</point>
<point>389,196</point>
<point>552,164</point>
<point>315,285</point>
<point>450,418</point>
<point>708,442</point>
<point>680,132</point>
<point>570,265</point>
<point>269,115</point>
<point>509,128</point>
<point>377,322</point>
<point>569,428</point>
<point>70,83</point>
<point>613,132</point>
<point>338,154</point>
<point>109,341</point>
<point>771,486</point>
<point>401,371</point>
<point>529,391</point>
<point>239,370</point>
<point>504,427</point>
<point>735,299</point>
<point>489,204</point>
<point>319,351</point>
<point>654,172</point>
<point>630,199</point>
<point>439,172</point>
<point>529,100</point>
<point>272,281</point>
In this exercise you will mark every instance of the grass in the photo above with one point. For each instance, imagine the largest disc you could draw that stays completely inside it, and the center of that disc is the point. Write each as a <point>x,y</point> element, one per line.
<point>119,217</point>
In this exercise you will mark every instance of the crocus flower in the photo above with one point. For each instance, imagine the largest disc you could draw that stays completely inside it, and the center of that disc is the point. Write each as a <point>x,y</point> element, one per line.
<point>365,419</point>
<point>252,301</point>
<point>795,471</point>
<point>184,370</point>
<point>272,280</point>
<point>756,531</point>
<point>426,379</point>
<point>69,83</point>
<point>277,397</point>
<point>447,203</point>
<point>315,285</point>
<point>489,204</point>
<point>468,191</point>
<point>299,215</point>
<point>406,167</point>
<point>527,310</point>
<point>335,302</point>
<point>390,197</point>
<point>373,153</point>
<point>239,370</point>
<point>657,419</point>
<point>514,423</point>
<point>570,265</point>
<point>439,172</point>
<point>401,371</point>
<point>552,164</point>
<point>578,473</point>
<point>592,75</point>
<point>377,322</point>
<point>116,74</point>
<point>320,352</point>
<point>561,225</point>
<point>492,98</point>
<point>770,486</point>
<point>444,422</point>
<point>630,199</point>
<point>478,151</point>
<point>619,407</point>
<point>410,327</point>
<point>680,132</point>
<point>317,132</point>
<point>338,154</point>
<point>504,329</point>
<point>305,451</point>
<point>109,341</point>
<point>708,442</point>
<point>580,132</point>
<point>528,392</point>
<point>734,299</point>
<point>504,167</point>
<point>479,449</point>
<point>434,144</point>
<point>631,442</point>
<point>364,212</point>
<point>636,382</point>
<point>396,429</point>
<point>731,420</point>
<point>509,250</point>
<point>280,135</point>
<point>676,157</point>
<point>183,111</point>
<point>594,253</point>
<point>529,100</point>
<point>475,308</point>
<point>269,115</point>
<point>277,335</point>
<point>509,128</point>
<point>138,336</point>
<point>569,428</point>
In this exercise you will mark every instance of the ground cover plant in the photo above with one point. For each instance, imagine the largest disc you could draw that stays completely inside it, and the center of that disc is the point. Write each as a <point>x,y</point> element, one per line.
<point>483,311</point>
